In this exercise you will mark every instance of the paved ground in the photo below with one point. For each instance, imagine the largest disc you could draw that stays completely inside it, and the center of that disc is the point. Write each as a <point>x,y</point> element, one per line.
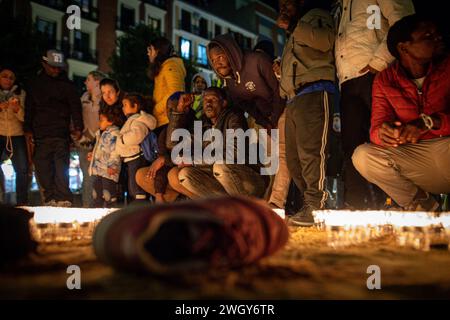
<point>305,268</point>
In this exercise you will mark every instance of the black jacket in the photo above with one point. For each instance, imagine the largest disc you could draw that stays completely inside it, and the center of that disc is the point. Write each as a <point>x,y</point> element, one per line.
<point>51,107</point>
<point>230,118</point>
<point>253,86</point>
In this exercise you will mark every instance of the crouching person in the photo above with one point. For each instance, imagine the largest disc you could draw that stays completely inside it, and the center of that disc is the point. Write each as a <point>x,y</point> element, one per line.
<point>138,125</point>
<point>409,157</point>
<point>105,162</point>
<point>218,178</point>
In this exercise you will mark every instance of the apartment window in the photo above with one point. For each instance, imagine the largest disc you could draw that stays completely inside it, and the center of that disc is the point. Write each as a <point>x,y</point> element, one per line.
<point>185,48</point>
<point>84,5</point>
<point>155,24</point>
<point>126,17</point>
<point>217,30</point>
<point>81,45</point>
<point>186,20</point>
<point>203,28</point>
<point>202,57</point>
<point>47,28</point>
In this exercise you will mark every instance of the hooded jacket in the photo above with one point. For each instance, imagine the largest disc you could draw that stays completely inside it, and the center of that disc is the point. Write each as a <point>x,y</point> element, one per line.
<point>358,46</point>
<point>198,103</point>
<point>52,104</point>
<point>253,86</point>
<point>396,97</point>
<point>308,54</point>
<point>169,80</point>
<point>133,133</point>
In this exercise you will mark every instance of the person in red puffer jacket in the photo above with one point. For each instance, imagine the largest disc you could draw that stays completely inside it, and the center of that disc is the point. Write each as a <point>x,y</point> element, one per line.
<point>409,157</point>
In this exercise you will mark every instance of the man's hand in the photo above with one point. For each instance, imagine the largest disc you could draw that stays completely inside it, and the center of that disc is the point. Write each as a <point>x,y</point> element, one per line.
<point>89,156</point>
<point>276,68</point>
<point>185,102</point>
<point>412,131</point>
<point>389,134</point>
<point>156,165</point>
<point>368,68</point>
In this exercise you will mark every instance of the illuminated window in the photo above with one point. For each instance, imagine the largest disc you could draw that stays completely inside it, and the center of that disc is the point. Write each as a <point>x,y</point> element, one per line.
<point>202,58</point>
<point>185,48</point>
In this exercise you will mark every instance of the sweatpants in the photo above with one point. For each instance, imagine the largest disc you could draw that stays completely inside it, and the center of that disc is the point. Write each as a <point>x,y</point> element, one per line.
<point>307,127</point>
<point>104,192</point>
<point>401,171</point>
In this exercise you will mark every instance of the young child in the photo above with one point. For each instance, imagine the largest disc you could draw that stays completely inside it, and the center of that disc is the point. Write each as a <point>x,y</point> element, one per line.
<point>105,162</point>
<point>139,123</point>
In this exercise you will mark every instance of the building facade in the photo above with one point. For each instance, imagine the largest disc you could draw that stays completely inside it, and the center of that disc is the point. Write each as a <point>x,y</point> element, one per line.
<point>189,24</point>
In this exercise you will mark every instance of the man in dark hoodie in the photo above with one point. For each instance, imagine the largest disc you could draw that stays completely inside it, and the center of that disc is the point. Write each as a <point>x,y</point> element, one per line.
<point>52,107</point>
<point>253,87</point>
<point>307,82</point>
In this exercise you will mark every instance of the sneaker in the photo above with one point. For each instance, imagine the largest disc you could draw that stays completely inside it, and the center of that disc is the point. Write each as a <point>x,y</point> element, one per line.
<point>189,236</point>
<point>427,203</point>
<point>50,203</point>
<point>303,218</point>
<point>64,204</point>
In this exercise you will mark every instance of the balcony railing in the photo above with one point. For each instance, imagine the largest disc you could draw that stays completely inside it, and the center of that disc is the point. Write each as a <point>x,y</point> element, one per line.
<point>72,52</point>
<point>61,5</point>
<point>157,3</point>
<point>194,29</point>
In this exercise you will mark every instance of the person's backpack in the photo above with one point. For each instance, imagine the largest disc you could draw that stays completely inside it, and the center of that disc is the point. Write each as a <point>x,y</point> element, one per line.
<point>149,146</point>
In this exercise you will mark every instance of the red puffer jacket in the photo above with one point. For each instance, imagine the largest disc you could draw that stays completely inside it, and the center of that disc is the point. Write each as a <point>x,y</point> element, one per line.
<point>397,98</point>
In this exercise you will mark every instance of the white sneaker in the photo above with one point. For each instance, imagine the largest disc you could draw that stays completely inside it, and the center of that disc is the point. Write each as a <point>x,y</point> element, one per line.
<point>64,204</point>
<point>51,203</point>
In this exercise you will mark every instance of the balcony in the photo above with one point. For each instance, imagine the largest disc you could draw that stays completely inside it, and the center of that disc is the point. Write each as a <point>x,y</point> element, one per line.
<point>123,25</point>
<point>157,3</point>
<point>194,29</point>
<point>89,13</point>
<point>71,52</point>
<point>59,5</point>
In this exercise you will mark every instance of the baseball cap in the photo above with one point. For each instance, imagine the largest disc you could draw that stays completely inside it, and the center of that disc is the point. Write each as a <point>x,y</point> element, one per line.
<point>55,58</point>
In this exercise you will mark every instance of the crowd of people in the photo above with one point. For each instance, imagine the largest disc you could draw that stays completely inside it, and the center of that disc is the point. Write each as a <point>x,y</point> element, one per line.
<point>389,83</point>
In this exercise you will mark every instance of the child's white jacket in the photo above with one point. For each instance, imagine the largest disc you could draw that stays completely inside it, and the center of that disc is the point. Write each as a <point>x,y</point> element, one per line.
<point>133,133</point>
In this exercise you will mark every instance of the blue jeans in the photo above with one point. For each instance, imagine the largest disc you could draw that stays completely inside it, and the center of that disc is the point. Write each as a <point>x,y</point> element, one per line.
<point>20,164</point>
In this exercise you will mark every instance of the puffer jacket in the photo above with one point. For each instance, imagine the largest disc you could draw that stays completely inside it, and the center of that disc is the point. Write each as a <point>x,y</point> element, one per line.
<point>133,133</point>
<point>358,46</point>
<point>104,155</point>
<point>11,123</point>
<point>169,80</point>
<point>308,53</point>
<point>253,86</point>
<point>395,97</point>
<point>52,107</point>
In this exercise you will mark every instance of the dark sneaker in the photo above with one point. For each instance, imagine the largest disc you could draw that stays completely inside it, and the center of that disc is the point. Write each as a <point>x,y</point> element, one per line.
<point>427,203</point>
<point>189,236</point>
<point>303,218</point>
